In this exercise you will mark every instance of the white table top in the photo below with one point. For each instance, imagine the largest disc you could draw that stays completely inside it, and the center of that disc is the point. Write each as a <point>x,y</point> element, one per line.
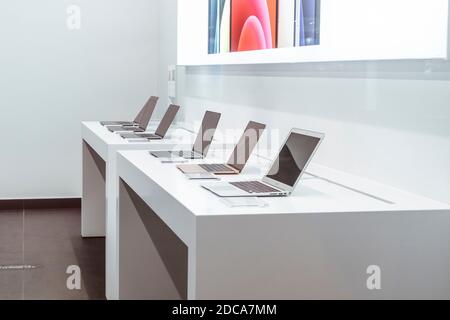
<point>102,140</point>
<point>177,138</point>
<point>175,133</point>
<point>343,194</point>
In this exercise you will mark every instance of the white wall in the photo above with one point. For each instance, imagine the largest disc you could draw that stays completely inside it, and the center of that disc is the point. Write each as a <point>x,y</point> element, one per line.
<point>52,78</point>
<point>167,14</point>
<point>387,121</point>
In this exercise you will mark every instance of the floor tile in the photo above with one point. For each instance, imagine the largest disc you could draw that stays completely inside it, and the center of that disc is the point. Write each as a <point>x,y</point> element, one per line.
<point>11,285</point>
<point>49,241</point>
<point>53,243</point>
<point>11,233</point>
<point>11,254</point>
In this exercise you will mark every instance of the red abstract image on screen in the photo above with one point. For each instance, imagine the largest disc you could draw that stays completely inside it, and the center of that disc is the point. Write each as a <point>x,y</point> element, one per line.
<point>245,25</point>
<point>253,24</point>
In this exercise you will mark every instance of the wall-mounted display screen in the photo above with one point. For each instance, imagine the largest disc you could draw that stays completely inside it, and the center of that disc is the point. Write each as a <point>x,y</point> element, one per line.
<point>276,31</point>
<point>245,25</point>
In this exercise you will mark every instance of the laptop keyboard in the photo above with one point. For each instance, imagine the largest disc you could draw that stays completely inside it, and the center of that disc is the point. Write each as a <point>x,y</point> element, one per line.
<point>124,128</point>
<point>132,136</point>
<point>189,155</point>
<point>118,123</point>
<point>134,129</point>
<point>148,136</point>
<point>215,168</point>
<point>254,187</point>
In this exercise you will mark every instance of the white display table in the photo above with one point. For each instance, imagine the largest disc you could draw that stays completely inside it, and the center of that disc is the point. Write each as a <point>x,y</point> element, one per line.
<point>179,241</point>
<point>100,185</point>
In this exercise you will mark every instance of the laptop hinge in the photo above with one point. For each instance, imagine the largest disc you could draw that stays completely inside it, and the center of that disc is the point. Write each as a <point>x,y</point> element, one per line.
<point>237,169</point>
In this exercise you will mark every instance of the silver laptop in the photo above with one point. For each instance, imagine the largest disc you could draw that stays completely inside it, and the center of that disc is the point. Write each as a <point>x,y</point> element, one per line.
<point>202,143</point>
<point>162,129</point>
<point>133,123</point>
<point>141,122</point>
<point>285,173</point>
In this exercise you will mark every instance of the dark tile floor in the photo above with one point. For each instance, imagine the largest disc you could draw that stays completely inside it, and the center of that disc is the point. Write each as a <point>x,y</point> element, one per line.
<point>36,248</point>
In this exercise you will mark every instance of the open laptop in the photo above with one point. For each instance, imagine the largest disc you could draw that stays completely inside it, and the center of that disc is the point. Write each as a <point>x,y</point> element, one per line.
<point>238,158</point>
<point>202,142</point>
<point>285,173</point>
<point>162,128</point>
<point>144,118</point>
<point>140,116</point>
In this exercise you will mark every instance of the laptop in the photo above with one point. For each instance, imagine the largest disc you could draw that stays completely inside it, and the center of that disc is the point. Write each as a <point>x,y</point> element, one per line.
<point>162,128</point>
<point>142,119</point>
<point>238,158</point>
<point>133,123</point>
<point>202,142</point>
<point>285,173</point>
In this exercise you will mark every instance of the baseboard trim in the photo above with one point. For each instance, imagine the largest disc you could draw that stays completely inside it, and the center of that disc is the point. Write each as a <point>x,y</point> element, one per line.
<point>70,203</point>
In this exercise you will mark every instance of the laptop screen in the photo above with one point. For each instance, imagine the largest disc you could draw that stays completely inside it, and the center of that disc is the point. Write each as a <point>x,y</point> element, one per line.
<point>293,158</point>
<point>246,144</point>
<point>167,120</point>
<point>206,134</point>
<point>144,116</point>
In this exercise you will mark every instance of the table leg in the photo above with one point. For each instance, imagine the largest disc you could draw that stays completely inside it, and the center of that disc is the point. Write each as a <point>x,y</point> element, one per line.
<point>93,208</point>
<point>153,260</point>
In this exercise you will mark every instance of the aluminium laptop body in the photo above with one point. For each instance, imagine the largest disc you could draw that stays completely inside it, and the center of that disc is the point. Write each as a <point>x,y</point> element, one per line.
<point>137,120</point>
<point>238,158</point>
<point>285,173</point>
<point>144,118</point>
<point>162,129</point>
<point>133,123</point>
<point>202,142</point>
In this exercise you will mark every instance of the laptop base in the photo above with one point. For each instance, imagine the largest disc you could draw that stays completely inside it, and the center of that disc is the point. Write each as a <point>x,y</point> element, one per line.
<point>124,129</point>
<point>119,123</point>
<point>227,190</point>
<point>188,155</point>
